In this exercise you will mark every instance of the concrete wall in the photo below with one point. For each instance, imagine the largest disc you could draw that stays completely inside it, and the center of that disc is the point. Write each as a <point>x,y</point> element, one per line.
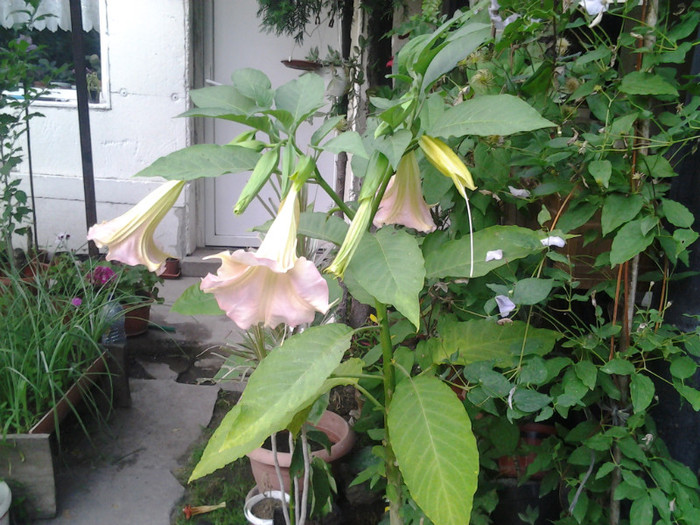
<point>145,64</point>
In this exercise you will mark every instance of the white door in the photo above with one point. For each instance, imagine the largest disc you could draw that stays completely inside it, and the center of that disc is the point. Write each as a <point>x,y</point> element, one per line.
<point>236,41</point>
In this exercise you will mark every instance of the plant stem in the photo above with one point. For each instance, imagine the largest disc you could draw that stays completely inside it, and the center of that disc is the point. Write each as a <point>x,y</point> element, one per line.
<point>393,475</point>
<point>273,440</point>
<point>333,195</point>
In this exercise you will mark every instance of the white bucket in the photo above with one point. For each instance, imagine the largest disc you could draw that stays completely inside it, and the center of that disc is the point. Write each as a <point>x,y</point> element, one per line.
<point>253,498</point>
<point>5,501</point>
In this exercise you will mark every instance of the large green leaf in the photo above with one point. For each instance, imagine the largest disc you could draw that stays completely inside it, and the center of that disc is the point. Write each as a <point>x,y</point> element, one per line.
<point>389,265</point>
<point>301,97</point>
<point>394,146</point>
<point>476,340</point>
<point>194,301</point>
<point>432,439</point>
<point>489,115</point>
<point>289,379</point>
<point>452,258</point>
<point>202,160</point>
<point>629,241</point>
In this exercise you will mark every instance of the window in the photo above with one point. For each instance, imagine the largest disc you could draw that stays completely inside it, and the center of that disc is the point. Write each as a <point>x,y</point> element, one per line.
<point>49,28</point>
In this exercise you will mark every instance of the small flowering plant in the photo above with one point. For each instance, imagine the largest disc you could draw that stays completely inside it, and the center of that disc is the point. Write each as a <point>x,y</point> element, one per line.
<point>469,271</point>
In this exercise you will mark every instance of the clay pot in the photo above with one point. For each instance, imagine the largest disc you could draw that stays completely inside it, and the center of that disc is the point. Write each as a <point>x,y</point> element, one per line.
<point>262,460</point>
<point>172,268</point>
<point>137,318</point>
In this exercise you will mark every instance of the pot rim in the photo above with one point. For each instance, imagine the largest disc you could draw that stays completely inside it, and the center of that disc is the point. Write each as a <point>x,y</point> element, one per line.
<point>5,498</point>
<point>254,497</point>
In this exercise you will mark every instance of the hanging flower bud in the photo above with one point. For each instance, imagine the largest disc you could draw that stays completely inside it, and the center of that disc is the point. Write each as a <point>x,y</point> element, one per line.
<point>129,237</point>
<point>448,163</point>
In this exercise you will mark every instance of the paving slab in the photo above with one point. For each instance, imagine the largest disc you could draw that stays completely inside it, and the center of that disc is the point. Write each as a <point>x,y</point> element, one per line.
<point>127,477</point>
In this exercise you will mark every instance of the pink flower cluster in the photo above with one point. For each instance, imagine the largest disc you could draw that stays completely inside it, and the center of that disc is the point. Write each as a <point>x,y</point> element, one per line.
<point>101,275</point>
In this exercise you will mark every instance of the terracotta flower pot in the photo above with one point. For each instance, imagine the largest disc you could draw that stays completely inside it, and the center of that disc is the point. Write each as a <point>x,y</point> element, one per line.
<point>137,318</point>
<point>172,268</point>
<point>262,460</point>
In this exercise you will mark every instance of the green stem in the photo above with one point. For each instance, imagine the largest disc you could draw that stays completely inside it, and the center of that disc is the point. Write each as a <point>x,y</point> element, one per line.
<point>393,476</point>
<point>333,195</point>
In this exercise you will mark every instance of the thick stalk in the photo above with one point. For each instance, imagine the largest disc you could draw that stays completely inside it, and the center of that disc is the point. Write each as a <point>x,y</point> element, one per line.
<point>393,476</point>
<point>333,195</point>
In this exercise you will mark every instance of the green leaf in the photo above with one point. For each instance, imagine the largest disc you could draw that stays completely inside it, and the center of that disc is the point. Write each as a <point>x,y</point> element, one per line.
<point>389,265</point>
<point>318,225</point>
<point>656,166</point>
<point>619,209</point>
<point>618,366</point>
<point>263,169</point>
<point>194,301</point>
<point>677,214</point>
<point>432,439</point>
<point>452,258</point>
<point>394,146</point>
<point>643,83</point>
<point>255,85</point>
<point>628,242</point>
<point>328,125</point>
<point>532,290</point>
<point>641,391</point>
<point>226,98</point>
<point>485,340</point>
<point>601,171</point>
<point>587,373</point>
<point>489,115</point>
<point>301,97</point>
<point>202,160</point>
<point>642,511</point>
<point>349,141</point>
<point>450,55</point>
<point>530,400</point>
<point>683,367</point>
<point>298,371</point>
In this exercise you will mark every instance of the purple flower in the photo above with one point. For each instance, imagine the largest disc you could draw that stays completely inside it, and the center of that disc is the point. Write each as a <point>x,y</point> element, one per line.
<point>505,305</point>
<point>76,301</point>
<point>101,275</point>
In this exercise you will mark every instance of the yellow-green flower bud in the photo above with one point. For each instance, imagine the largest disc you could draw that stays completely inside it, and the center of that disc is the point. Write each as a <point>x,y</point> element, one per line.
<point>447,162</point>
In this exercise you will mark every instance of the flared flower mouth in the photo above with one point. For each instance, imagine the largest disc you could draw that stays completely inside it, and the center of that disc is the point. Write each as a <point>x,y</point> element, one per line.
<point>129,237</point>
<point>403,201</point>
<point>448,163</point>
<point>273,285</point>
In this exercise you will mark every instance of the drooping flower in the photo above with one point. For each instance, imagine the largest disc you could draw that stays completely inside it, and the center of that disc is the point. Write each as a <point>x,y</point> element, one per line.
<point>271,285</point>
<point>505,305</point>
<point>448,163</point>
<point>403,201</point>
<point>358,227</point>
<point>129,237</point>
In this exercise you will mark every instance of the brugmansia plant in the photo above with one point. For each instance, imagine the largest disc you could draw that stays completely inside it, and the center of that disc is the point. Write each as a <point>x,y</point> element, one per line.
<point>454,289</point>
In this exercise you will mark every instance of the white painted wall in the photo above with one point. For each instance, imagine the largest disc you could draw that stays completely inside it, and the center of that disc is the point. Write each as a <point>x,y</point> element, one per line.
<point>146,59</point>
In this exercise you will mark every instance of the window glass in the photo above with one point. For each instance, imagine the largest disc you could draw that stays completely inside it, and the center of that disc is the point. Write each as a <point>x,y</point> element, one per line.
<point>46,24</point>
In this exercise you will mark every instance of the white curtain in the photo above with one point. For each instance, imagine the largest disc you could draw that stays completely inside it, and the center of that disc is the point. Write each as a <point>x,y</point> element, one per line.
<point>58,11</point>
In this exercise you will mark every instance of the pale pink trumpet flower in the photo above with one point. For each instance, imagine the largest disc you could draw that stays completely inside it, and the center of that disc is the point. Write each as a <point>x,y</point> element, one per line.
<point>271,285</point>
<point>129,237</point>
<point>403,201</point>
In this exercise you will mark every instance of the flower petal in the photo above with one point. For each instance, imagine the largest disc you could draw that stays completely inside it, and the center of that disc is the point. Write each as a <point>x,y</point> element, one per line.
<point>403,201</point>
<point>517,192</point>
<point>505,305</point>
<point>256,290</point>
<point>553,240</point>
<point>129,237</point>
<point>494,255</point>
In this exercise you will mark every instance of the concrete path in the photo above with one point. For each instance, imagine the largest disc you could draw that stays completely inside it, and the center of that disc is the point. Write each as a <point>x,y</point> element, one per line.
<point>127,477</point>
